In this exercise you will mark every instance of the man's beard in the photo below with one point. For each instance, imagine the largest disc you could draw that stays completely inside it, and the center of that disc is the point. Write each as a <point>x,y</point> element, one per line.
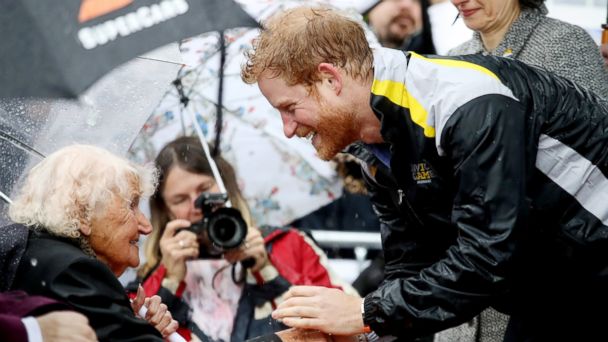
<point>336,129</point>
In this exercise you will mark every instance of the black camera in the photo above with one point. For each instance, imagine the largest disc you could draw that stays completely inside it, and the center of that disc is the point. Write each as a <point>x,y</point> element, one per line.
<point>221,228</point>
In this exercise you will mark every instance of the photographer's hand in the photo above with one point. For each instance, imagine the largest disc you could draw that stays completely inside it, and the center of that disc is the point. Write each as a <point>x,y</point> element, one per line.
<point>252,247</point>
<point>177,248</point>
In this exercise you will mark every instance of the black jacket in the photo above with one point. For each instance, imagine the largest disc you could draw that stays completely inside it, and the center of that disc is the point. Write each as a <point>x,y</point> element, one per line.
<point>496,194</point>
<point>58,269</point>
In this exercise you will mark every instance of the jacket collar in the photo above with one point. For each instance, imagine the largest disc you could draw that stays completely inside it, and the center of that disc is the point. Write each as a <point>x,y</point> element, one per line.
<point>390,67</point>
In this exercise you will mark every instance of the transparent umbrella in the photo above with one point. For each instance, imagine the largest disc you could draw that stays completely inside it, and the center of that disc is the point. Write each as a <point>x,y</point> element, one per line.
<point>109,114</point>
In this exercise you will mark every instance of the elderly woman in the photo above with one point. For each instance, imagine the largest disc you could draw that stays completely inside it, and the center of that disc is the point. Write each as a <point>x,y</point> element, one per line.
<point>520,29</point>
<point>81,206</point>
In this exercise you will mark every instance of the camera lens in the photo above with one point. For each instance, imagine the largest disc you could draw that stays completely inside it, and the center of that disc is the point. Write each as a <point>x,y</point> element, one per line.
<point>227,229</point>
<point>224,229</point>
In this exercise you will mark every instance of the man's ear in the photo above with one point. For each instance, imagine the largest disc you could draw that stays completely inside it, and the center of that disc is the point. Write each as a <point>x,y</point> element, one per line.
<point>332,75</point>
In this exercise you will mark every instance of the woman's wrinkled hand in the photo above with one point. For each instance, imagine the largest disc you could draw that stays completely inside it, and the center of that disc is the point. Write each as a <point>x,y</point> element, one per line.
<point>156,313</point>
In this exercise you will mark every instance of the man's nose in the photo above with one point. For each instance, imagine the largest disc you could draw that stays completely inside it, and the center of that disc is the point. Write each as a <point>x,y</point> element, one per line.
<point>289,125</point>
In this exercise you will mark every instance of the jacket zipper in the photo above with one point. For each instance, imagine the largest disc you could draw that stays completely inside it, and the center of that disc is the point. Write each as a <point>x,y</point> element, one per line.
<point>403,199</point>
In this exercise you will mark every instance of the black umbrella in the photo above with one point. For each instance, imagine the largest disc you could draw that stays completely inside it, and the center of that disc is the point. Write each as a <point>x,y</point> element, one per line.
<point>59,48</point>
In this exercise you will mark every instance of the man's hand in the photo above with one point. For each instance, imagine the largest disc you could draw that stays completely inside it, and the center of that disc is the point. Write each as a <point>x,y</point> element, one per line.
<point>328,310</point>
<point>59,326</point>
<point>294,335</point>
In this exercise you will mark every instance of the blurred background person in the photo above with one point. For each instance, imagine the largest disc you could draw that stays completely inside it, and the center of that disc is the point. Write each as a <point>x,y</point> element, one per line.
<point>423,26</point>
<point>80,205</point>
<point>402,24</point>
<point>213,298</point>
<point>36,318</point>
<point>520,29</point>
<point>447,32</point>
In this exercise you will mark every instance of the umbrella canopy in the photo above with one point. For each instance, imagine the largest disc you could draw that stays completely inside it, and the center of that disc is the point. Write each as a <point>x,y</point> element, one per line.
<point>59,48</point>
<point>281,179</point>
<point>109,114</point>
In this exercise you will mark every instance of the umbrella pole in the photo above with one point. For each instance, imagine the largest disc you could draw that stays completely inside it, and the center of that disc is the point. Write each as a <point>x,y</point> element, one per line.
<point>5,198</point>
<point>220,93</point>
<point>214,169</point>
<point>218,125</point>
<point>184,100</point>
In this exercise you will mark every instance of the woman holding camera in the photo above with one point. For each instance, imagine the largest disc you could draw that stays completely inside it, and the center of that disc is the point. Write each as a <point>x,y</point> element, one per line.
<point>216,298</point>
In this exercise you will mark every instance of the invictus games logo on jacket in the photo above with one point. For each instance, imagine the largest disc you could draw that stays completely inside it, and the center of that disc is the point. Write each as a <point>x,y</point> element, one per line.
<point>422,173</point>
<point>139,19</point>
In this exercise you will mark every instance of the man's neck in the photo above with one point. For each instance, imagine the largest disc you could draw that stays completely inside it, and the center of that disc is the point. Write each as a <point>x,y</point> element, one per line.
<point>369,131</point>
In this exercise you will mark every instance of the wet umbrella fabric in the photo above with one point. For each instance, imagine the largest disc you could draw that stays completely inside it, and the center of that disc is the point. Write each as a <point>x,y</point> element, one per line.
<point>59,48</point>
<point>109,114</point>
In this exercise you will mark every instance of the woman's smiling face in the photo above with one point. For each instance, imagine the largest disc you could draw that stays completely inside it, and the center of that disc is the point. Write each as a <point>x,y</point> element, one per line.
<point>486,15</point>
<point>114,234</point>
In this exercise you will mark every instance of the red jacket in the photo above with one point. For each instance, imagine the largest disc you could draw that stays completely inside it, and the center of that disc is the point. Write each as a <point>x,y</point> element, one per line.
<point>294,260</point>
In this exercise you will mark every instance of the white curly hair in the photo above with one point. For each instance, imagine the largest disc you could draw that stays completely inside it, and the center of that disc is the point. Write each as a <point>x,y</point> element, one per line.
<point>72,185</point>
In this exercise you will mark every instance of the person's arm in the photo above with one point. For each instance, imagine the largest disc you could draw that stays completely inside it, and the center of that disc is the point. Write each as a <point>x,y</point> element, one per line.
<point>34,333</point>
<point>37,319</point>
<point>99,296</point>
<point>582,64</point>
<point>60,326</point>
<point>12,329</point>
<point>484,141</point>
<point>56,326</point>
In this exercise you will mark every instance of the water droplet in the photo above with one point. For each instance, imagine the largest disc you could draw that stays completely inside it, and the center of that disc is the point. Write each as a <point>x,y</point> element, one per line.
<point>34,262</point>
